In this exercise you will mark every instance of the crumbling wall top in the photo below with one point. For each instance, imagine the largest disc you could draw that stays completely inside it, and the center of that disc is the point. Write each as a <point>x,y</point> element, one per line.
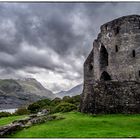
<point>119,21</point>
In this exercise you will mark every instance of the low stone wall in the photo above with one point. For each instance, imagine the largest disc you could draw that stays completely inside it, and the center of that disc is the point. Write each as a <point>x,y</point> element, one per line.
<point>25,123</point>
<point>111,97</point>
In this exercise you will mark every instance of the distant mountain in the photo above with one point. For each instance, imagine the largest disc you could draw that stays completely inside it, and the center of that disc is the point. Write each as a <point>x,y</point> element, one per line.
<point>31,85</point>
<point>77,90</point>
<point>17,93</point>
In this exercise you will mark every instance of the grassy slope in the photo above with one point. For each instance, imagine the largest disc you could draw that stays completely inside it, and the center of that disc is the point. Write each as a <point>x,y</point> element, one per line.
<point>77,125</point>
<point>7,120</point>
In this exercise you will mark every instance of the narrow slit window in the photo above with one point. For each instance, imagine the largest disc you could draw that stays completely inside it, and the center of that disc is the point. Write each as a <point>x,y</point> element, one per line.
<point>116,48</point>
<point>139,73</point>
<point>106,27</point>
<point>133,53</point>
<point>117,30</point>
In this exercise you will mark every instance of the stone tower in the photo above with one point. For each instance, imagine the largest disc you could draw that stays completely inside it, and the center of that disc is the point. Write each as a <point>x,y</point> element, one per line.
<point>112,69</point>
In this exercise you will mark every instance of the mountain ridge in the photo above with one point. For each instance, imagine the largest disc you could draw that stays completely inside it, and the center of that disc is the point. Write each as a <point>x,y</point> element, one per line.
<point>76,90</point>
<point>33,86</point>
<point>16,93</point>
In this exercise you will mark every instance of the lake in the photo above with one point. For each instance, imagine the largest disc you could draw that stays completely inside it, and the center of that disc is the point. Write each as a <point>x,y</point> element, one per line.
<point>8,110</point>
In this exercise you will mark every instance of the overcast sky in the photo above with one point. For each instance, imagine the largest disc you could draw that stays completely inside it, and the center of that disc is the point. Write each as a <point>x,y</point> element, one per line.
<point>50,41</point>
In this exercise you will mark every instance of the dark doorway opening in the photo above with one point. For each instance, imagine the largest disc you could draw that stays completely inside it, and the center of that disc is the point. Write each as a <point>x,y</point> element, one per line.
<point>105,76</point>
<point>103,57</point>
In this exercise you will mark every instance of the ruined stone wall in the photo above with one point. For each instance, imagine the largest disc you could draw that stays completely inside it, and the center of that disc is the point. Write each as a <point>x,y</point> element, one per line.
<point>88,76</point>
<point>113,97</point>
<point>112,70</point>
<point>121,41</point>
<point>89,69</point>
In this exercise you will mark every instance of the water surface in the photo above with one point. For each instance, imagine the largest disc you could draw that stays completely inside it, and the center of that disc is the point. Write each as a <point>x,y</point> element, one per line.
<point>8,110</point>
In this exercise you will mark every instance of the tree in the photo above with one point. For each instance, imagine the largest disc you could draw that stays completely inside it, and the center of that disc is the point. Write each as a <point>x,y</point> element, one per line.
<point>55,101</point>
<point>34,108</point>
<point>65,107</point>
<point>22,111</point>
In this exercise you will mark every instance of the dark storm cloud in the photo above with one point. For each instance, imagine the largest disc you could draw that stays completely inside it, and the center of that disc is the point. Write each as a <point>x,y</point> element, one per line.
<point>52,36</point>
<point>54,29</point>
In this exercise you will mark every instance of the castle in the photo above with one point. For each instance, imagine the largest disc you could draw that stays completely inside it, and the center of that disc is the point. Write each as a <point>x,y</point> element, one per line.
<point>112,69</point>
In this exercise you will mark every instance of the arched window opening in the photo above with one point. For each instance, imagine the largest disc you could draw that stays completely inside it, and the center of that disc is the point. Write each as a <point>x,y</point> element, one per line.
<point>90,67</point>
<point>105,76</point>
<point>133,53</point>
<point>116,48</point>
<point>103,57</point>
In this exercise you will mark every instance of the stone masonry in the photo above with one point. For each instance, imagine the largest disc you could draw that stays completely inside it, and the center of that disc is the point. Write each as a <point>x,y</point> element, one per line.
<point>112,69</point>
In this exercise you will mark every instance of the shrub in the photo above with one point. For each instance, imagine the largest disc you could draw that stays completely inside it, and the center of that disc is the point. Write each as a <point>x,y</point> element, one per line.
<point>55,101</point>
<point>22,111</point>
<point>5,114</point>
<point>44,102</point>
<point>65,107</point>
<point>66,98</point>
<point>34,108</point>
<point>66,104</point>
<point>73,100</point>
<point>76,100</point>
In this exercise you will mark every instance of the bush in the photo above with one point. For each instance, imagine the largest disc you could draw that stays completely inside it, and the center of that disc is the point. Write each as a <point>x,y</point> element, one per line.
<point>5,114</point>
<point>73,100</point>
<point>55,101</point>
<point>22,111</point>
<point>66,104</point>
<point>44,102</point>
<point>65,107</point>
<point>76,100</point>
<point>66,98</point>
<point>34,108</point>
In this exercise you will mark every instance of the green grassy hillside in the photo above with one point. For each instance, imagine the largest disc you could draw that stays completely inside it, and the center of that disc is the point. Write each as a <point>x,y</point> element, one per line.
<point>7,120</point>
<point>77,125</point>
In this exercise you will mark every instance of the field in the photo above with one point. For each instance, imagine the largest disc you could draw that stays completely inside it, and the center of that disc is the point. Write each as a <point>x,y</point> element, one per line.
<point>7,120</point>
<point>77,125</point>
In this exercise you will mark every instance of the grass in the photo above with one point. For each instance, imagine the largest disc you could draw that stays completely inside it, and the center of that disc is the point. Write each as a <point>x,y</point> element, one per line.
<point>7,120</point>
<point>78,125</point>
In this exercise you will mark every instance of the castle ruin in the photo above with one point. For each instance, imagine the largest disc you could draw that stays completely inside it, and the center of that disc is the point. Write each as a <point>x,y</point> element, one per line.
<point>112,69</point>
